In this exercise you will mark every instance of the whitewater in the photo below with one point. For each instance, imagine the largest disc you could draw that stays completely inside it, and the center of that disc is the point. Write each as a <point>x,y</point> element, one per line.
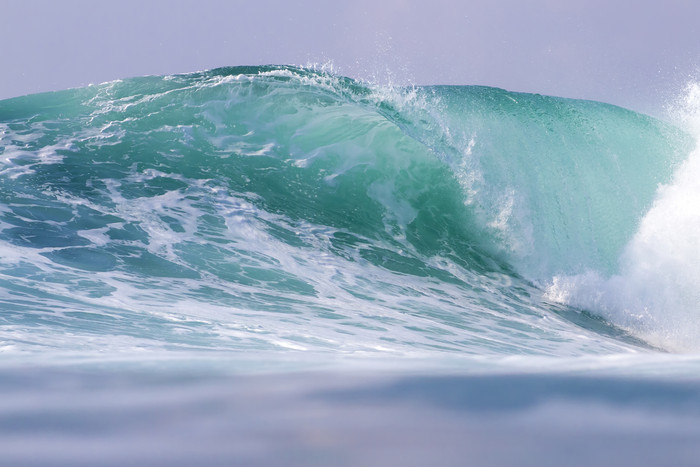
<point>283,266</point>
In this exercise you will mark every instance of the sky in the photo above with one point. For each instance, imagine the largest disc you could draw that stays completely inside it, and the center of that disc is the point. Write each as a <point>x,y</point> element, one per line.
<point>635,53</point>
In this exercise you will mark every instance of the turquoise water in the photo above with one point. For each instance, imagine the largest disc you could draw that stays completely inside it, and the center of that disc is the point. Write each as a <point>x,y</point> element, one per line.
<point>285,220</point>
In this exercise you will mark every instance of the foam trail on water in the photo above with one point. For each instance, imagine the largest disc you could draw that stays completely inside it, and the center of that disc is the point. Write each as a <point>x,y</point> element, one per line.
<point>655,294</point>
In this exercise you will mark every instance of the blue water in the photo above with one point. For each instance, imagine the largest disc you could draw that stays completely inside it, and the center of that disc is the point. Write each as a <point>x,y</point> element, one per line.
<point>289,267</point>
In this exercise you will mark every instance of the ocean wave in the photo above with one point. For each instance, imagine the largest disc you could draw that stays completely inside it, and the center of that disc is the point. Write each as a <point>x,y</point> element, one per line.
<point>286,209</point>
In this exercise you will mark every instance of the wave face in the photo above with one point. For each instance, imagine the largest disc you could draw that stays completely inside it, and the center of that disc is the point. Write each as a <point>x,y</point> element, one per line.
<point>273,209</point>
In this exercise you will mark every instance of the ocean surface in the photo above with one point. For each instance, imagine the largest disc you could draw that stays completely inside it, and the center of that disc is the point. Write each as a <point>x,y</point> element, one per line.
<point>282,266</point>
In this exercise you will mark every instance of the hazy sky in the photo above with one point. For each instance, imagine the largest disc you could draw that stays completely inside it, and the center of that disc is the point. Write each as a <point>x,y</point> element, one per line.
<point>635,53</point>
